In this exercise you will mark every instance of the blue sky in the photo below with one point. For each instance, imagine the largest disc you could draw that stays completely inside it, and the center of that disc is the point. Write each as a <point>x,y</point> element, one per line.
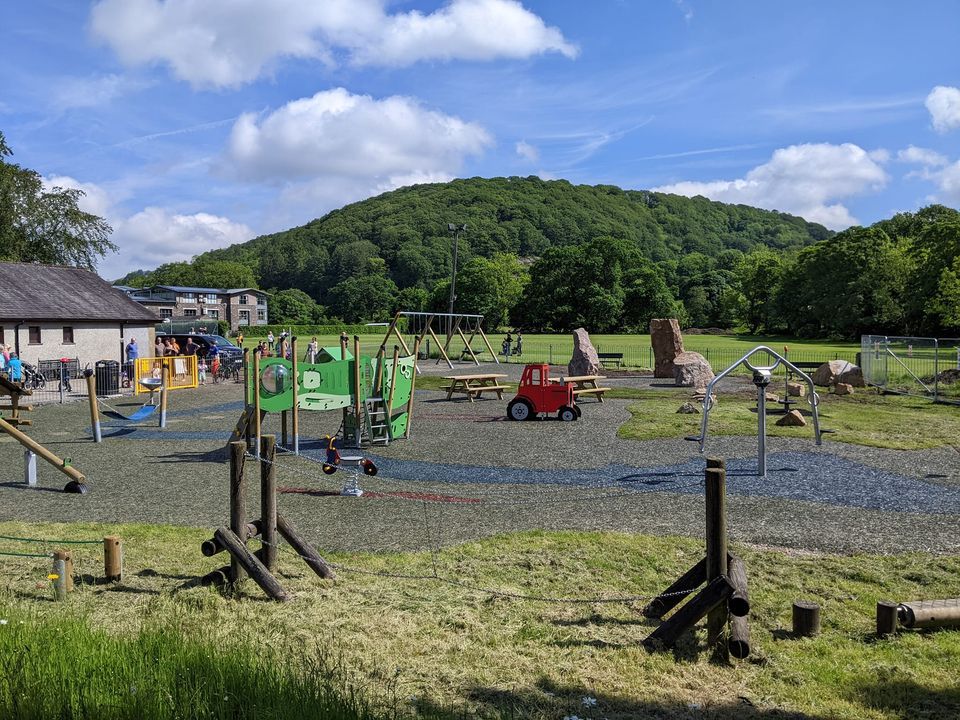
<point>194,124</point>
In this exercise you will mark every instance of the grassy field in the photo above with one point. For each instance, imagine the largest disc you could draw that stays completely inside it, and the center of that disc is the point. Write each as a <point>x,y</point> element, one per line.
<point>380,647</point>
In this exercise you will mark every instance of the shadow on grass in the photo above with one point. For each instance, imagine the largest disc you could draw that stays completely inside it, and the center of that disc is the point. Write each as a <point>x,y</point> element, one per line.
<point>218,455</point>
<point>549,700</point>
<point>907,699</point>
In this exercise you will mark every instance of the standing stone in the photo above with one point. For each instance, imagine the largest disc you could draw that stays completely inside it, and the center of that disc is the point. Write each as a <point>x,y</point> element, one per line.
<point>691,369</point>
<point>843,389</point>
<point>838,371</point>
<point>796,389</point>
<point>584,360</point>
<point>792,419</point>
<point>667,342</point>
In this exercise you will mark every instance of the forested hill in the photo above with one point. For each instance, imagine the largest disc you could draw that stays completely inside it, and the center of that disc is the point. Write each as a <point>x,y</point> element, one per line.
<point>395,249</point>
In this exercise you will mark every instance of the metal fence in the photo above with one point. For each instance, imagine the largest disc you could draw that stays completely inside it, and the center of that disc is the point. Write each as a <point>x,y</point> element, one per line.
<point>919,366</point>
<point>62,380</point>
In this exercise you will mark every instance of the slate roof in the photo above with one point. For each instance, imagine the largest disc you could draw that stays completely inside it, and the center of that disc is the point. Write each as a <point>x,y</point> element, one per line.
<point>206,291</point>
<point>30,291</point>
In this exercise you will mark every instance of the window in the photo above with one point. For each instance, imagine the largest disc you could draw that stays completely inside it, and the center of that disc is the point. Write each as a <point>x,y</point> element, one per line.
<point>215,314</point>
<point>166,312</point>
<point>190,312</point>
<point>261,314</point>
<point>35,335</point>
<point>188,296</point>
<point>244,317</point>
<point>211,297</point>
<point>67,335</point>
<point>243,300</point>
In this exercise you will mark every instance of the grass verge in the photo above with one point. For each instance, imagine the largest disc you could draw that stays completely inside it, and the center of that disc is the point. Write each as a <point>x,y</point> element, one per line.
<point>428,649</point>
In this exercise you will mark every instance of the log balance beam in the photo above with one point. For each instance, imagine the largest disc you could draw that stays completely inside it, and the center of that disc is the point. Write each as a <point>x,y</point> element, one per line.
<point>725,597</point>
<point>78,482</point>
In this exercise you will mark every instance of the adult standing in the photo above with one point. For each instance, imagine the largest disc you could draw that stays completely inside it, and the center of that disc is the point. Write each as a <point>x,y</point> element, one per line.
<point>15,368</point>
<point>518,349</point>
<point>270,339</point>
<point>313,347</point>
<point>133,352</point>
<point>159,349</point>
<point>191,347</point>
<point>505,348</point>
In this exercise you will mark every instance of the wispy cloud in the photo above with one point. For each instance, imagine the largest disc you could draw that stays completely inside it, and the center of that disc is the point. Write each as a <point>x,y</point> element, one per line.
<point>841,107</point>
<point>703,151</point>
<point>130,142</point>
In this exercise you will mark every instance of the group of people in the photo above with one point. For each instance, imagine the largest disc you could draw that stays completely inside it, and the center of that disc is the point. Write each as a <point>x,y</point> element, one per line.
<point>508,348</point>
<point>10,364</point>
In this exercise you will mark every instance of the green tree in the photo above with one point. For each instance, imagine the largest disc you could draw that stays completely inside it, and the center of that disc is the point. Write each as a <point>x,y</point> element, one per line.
<point>759,276</point>
<point>294,307</point>
<point>46,225</point>
<point>490,287</point>
<point>224,274</point>
<point>364,298</point>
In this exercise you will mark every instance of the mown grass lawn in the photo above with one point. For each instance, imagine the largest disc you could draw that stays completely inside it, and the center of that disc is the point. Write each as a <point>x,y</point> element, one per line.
<point>381,647</point>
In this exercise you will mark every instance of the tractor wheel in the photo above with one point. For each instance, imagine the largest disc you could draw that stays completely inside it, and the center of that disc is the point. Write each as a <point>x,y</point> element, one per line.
<point>579,411</point>
<point>520,410</point>
<point>368,467</point>
<point>567,414</point>
<point>329,469</point>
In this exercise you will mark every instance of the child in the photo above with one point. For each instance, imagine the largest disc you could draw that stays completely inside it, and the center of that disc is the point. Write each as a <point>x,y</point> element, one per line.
<point>202,371</point>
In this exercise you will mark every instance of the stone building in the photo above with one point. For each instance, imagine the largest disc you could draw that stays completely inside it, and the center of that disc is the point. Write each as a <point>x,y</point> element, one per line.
<point>239,307</point>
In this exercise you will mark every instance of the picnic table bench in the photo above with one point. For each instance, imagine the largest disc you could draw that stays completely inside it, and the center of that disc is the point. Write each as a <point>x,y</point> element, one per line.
<point>475,385</point>
<point>585,385</point>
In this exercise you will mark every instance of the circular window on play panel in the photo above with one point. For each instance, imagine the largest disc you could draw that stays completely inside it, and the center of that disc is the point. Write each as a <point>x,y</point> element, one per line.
<point>274,380</point>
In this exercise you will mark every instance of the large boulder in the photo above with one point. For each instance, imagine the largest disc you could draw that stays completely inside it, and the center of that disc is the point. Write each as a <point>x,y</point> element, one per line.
<point>838,371</point>
<point>691,369</point>
<point>584,360</point>
<point>667,343</point>
<point>792,419</point>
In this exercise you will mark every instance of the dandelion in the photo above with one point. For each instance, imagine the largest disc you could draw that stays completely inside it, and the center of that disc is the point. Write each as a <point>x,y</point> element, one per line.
<point>588,701</point>
<point>53,576</point>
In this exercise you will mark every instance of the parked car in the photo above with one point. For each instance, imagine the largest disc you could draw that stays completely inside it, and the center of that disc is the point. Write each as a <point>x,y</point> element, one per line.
<point>228,351</point>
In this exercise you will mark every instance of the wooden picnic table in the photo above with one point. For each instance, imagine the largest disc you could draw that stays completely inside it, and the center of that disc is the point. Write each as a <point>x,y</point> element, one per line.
<point>475,385</point>
<point>585,385</point>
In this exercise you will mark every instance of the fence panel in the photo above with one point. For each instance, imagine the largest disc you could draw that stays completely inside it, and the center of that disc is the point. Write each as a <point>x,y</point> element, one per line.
<point>918,366</point>
<point>181,371</point>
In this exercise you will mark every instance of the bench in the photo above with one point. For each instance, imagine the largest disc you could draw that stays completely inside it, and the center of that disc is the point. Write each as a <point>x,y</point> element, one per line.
<point>615,356</point>
<point>595,391</point>
<point>475,385</point>
<point>585,385</point>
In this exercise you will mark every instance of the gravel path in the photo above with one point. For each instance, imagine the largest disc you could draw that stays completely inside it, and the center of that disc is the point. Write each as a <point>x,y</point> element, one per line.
<point>468,473</point>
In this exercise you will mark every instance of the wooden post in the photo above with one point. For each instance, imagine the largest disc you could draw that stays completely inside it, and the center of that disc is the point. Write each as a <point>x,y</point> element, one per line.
<point>716,534</point>
<point>886,618</point>
<point>716,462</point>
<point>256,402</point>
<point>68,567</point>
<point>487,343</point>
<point>60,581</point>
<point>304,549</point>
<point>246,395</point>
<point>32,445</point>
<point>443,353</point>
<point>94,410</point>
<point>356,388</point>
<point>164,380</point>
<point>393,387</point>
<point>112,559</point>
<point>739,604</point>
<point>268,502</point>
<point>378,382</point>
<point>714,595</point>
<point>283,431</point>
<point>739,641</point>
<point>238,510</point>
<point>413,386</point>
<point>241,557</point>
<point>211,547</point>
<point>296,397</point>
<point>667,600</point>
<point>806,618</point>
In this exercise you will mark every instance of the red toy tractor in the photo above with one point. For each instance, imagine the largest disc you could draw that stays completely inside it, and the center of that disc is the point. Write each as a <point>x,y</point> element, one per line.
<point>538,396</point>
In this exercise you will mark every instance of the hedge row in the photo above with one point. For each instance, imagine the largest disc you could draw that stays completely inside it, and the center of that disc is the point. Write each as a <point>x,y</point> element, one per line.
<point>307,330</point>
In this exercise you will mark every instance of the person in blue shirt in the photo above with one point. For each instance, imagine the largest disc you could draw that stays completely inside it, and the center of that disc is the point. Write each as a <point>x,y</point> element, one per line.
<point>133,352</point>
<point>15,368</point>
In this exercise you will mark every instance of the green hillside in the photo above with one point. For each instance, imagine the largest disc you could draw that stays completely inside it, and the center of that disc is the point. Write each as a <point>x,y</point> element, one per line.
<point>361,261</point>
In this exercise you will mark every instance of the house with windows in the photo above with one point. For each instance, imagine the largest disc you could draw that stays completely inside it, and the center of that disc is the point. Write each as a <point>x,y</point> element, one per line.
<point>49,312</point>
<point>239,307</point>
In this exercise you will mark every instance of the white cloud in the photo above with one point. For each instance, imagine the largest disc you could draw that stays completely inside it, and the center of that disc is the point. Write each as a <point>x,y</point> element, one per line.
<point>944,105</point>
<point>804,180</point>
<point>154,235</point>
<point>921,156</point>
<point>226,43</point>
<point>340,137</point>
<point>92,91</point>
<point>527,151</point>
<point>949,183</point>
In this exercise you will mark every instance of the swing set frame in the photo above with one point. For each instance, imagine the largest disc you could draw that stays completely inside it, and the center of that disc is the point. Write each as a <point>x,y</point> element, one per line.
<point>423,325</point>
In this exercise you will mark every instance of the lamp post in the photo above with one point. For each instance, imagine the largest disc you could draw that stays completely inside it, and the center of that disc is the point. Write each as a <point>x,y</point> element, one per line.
<point>456,230</point>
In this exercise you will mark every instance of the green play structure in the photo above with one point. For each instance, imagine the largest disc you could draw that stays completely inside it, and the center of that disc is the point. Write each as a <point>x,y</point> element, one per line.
<point>375,394</point>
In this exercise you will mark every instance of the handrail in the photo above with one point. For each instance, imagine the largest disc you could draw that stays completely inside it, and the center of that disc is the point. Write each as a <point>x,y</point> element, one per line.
<point>761,378</point>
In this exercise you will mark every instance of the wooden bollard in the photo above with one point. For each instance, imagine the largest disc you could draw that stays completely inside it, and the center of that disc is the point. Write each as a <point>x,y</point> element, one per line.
<point>67,558</point>
<point>304,549</point>
<point>60,579</point>
<point>740,600</point>
<point>251,564</point>
<point>268,502</point>
<point>806,618</point>
<point>112,559</point>
<point>886,618</point>
<point>716,536</point>
<point>739,641</point>
<point>714,595</point>
<point>667,600</point>
<point>238,509</point>
<point>211,547</point>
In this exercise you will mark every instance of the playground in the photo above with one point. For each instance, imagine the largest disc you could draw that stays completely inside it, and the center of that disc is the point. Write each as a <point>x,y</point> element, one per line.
<point>525,550</point>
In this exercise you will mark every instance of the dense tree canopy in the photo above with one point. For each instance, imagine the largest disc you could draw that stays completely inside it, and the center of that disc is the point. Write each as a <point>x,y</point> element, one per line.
<point>41,224</point>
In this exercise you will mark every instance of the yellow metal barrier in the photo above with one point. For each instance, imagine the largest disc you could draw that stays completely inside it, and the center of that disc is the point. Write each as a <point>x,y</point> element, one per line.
<point>181,371</point>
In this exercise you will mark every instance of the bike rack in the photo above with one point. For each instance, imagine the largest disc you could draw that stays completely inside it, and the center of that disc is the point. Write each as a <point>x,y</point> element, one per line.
<point>761,378</point>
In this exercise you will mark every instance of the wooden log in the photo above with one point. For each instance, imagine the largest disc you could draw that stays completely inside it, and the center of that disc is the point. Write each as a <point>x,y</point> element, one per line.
<point>296,396</point>
<point>667,600</point>
<point>393,387</point>
<point>413,387</point>
<point>31,444</point>
<point>716,537</point>
<point>220,577</point>
<point>738,643</point>
<point>257,418</point>
<point>112,559</point>
<point>238,509</point>
<point>714,594</point>
<point>211,547</point>
<point>250,564</point>
<point>67,558</point>
<point>247,407</point>
<point>930,613</point>
<point>60,579</point>
<point>268,503</point>
<point>716,463</point>
<point>304,549</point>
<point>94,410</point>
<point>283,431</point>
<point>739,604</point>
<point>806,618</point>
<point>886,618</point>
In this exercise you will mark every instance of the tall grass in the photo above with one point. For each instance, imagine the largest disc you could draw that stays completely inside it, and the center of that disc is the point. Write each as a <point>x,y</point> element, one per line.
<point>58,667</point>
